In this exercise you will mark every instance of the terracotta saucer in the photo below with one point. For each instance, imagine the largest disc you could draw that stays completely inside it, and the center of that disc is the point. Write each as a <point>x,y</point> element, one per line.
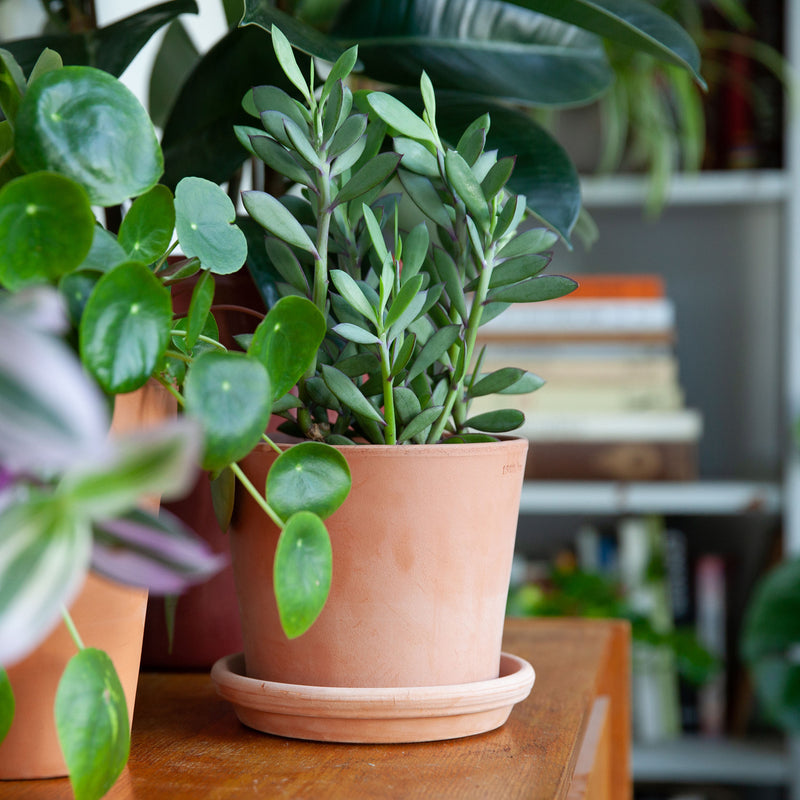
<point>415,714</point>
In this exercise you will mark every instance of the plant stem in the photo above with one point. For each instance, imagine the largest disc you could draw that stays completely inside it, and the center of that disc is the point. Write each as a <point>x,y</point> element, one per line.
<point>256,495</point>
<point>73,631</point>
<point>390,432</point>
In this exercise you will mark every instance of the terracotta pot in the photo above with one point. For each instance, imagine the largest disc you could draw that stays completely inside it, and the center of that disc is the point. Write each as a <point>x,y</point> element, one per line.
<point>422,552</point>
<point>109,617</point>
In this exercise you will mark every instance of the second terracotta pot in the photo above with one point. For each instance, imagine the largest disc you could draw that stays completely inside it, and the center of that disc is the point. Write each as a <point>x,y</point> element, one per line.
<point>422,552</point>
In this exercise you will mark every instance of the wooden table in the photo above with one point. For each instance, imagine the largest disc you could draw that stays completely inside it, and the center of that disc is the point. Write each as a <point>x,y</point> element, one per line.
<point>570,739</point>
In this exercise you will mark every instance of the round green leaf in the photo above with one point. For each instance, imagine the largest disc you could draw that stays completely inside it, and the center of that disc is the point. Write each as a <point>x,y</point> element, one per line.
<point>146,231</point>
<point>85,124</point>
<point>46,227</point>
<point>287,340</point>
<point>229,393</point>
<point>92,723</point>
<point>309,476</point>
<point>302,572</point>
<point>124,330</point>
<point>204,221</point>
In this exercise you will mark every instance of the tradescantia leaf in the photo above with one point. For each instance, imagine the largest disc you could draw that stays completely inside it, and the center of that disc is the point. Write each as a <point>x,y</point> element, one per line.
<point>274,217</point>
<point>308,476</point>
<point>157,461</point>
<point>46,226</point>
<point>125,327</point>
<point>286,342</point>
<point>205,222</point>
<point>501,421</point>
<point>146,231</point>
<point>158,552</point>
<point>6,704</point>
<point>302,572</point>
<point>83,123</point>
<point>92,723</point>
<point>230,395</point>
<point>43,561</point>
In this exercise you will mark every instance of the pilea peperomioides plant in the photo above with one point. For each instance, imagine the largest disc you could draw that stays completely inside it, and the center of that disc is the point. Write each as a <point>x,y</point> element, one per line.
<point>405,273</point>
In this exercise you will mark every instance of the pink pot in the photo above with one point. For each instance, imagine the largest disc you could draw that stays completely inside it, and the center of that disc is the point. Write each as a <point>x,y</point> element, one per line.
<point>422,553</point>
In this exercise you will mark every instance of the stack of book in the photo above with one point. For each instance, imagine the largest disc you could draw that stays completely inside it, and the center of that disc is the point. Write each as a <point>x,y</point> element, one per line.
<point>612,407</point>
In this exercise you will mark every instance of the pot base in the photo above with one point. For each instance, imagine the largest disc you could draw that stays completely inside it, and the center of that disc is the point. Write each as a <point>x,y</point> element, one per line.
<point>356,715</point>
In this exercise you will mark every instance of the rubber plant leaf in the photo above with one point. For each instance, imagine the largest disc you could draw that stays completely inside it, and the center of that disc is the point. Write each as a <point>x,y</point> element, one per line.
<point>159,552</point>
<point>111,48</point>
<point>46,226</point>
<point>199,136</point>
<point>124,330</point>
<point>286,341</point>
<point>205,222</point>
<point>634,23</point>
<point>494,49</point>
<point>146,231</point>
<point>158,461</point>
<point>50,416</point>
<point>43,563</point>
<point>308,476</point>
<point>85,124</point>
<point>302,572</point>
<point>92,723</point>
<point>230,395</point>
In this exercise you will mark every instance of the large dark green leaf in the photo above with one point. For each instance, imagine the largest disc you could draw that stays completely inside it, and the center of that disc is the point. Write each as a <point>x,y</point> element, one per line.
<point>198,136</point>
<point>46,227</point>
<point>634,23</point>
<point>125,327</point>
<point>229,393</point>
<point>176,58</point>
<point>92,723</point>
<point>111,48</point>
<point>82,123</point>
<point>302,572</point>
<point>485,47</point>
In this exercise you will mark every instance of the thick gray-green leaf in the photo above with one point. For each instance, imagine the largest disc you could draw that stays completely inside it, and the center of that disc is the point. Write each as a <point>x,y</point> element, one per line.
<point>309,476</point>
<point>6,704</point>
<point>286,342</point>
<point>352,292</point>
<point>44,555</point>
<point>83,123</point>
<point>146,230</point>
<point>274,217</point>
<point>230,395</point>
<point>302,572</point>
<point>373,174</point>
<point>348,394</point>
<point>125,327</point>
<point>425,196</point>
<point>199,308</point>
<point>46,227</point>
<point>496,381</point>
<point>433,350</point>
<point>277,157</point>
<point>401,119</point>
<point>286,264</point>
<point>467,187</point>
<point>501,421</point>
<point>354,333</point>
<point>532,241</point>
<point>497,50</point>
<point>205,221</point>
<point>420,423</point>
<point>92,723</point>
<point>533,290</point>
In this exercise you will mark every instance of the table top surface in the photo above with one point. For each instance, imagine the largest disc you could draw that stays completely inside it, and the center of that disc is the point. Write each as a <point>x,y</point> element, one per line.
<point>188,743</point>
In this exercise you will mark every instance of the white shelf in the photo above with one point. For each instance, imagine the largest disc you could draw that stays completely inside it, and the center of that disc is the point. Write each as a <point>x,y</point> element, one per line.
<point>666,497</point>
<point>735,187</point>
<point>693,759</point>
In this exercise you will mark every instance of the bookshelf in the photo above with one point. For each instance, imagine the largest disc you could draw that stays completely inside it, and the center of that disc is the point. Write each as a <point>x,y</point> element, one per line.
<point>728,245</point>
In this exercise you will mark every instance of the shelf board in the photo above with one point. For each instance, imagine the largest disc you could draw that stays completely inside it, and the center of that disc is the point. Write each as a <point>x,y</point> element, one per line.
<point>735,187</point>
<point>693,759</point>
<point>664,497</point>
